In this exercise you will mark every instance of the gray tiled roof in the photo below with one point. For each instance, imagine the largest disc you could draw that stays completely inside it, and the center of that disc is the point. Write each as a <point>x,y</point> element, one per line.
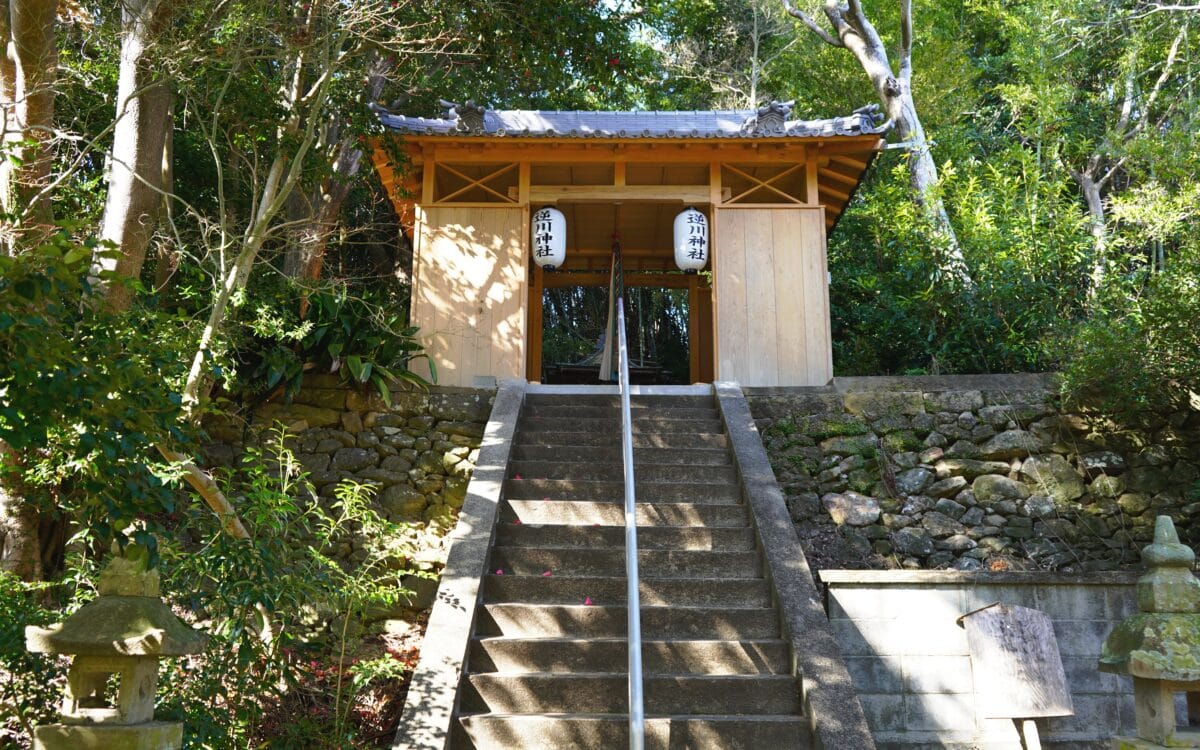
<point>769,121</point>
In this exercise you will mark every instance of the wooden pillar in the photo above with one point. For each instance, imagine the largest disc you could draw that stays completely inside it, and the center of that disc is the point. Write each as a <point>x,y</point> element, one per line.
<point>533,353</point>
<point>694,328</point>
<point>811,186</point>
<point>708,307</point>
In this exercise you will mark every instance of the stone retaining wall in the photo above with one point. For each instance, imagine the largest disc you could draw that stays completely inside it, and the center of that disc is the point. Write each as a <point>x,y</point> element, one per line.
<point>418,452</point>
<point>973,472</point>
<point>912,668</point>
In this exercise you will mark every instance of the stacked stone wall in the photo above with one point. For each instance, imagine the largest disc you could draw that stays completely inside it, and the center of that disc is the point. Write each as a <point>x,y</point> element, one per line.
<point>417,453</point>
<point>974,472</point>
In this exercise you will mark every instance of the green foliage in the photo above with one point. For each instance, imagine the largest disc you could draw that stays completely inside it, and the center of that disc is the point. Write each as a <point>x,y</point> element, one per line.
<point>288,570</point>
<point>84,394</point>
<point>1140,350</point>
<point>30,685</point>
<point>355,332</point>
<point>832,425</point>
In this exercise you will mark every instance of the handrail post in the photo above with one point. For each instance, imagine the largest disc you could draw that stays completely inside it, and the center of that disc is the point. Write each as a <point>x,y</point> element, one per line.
<point>633,598</point>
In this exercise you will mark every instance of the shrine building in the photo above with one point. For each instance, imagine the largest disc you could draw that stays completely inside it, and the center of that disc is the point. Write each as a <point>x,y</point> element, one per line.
<point>770,187</point>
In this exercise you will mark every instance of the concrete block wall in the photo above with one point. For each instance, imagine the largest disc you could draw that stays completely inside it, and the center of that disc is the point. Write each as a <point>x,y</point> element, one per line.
<point>912,668</point>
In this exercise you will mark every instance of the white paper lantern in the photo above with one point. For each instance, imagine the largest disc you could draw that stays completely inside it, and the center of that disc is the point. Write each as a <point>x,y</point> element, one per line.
<point>691,240</point>
<point>549,238</point>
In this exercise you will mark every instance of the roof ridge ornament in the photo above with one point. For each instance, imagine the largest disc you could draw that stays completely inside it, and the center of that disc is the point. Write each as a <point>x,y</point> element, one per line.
<point>469,116</point>
<point>770,119</point>
<point>873,112</point>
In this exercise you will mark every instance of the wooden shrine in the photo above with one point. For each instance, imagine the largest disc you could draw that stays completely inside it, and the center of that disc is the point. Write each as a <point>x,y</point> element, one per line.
<point>772,189</point>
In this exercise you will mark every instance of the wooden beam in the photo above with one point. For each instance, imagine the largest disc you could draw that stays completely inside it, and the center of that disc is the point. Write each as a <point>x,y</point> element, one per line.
<point>757,184</point>
<point>826,190</point>
<point>690,152</point>
<point>615,193</point>
<point>841,177</point>
<point>849,162</point>
<point>560,279</point>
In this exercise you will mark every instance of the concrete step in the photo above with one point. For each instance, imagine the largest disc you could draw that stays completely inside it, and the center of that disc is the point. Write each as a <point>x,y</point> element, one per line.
<point>612,513</point>
<point>577,436</point>
<point>612,425</point>
<point>576,411</point>
<point>592,731</point>
<point>641,456</point>
<point>650,537</point>
<point>615,471</point>
<point>652,592</point>
<point>606,693</point>
<point>610,561</point>
<point>763,656</point>
<point>599,621</point>
<point>711,493</point>
<point>614,401</point>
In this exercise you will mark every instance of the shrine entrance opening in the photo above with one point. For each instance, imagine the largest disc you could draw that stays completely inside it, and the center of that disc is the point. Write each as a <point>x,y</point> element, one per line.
<point>668,313</point>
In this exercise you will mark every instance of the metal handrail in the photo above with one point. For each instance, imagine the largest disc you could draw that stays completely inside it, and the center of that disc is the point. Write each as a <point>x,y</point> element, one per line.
<point>636,715</point>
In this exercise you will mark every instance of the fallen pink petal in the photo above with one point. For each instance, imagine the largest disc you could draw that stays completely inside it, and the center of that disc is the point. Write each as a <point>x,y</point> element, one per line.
<point>587,601</point>
<point>546,574</point>
<point>499,572</point>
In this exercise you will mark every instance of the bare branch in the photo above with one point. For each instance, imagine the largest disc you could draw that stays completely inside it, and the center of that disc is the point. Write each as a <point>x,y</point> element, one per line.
<point>860,18</point>
<point>906,38</point>
<point>1162,78</point>
<point>1163,7</point>
<point>808,21</point>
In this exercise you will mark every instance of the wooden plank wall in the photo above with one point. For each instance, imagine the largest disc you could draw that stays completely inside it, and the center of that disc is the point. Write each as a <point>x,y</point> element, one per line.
<point>469,295</point>
<point>772,297</point>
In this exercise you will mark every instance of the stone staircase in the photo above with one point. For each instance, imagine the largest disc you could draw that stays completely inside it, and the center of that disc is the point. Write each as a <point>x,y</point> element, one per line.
<point>546,661</point>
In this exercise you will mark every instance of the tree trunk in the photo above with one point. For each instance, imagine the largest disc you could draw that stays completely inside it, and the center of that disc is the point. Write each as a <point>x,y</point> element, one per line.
<point>29,72</point>
<point>20,546</point>
<point>306,251</point>
<point>923,179</point>
<point>852,30</point>
<point>1097,226</point>
<point>139,135</point>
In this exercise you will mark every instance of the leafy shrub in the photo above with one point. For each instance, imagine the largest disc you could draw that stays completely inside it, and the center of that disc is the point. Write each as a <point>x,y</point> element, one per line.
<point>1140,349</point>
<point>313,602</point>
<point>359,333</point>
<point>30,685</point>
<point>84,393</point>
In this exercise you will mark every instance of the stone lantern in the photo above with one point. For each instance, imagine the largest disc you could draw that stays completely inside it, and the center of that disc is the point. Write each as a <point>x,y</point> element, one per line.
<point>1159,647</point>
<point>115,643</point>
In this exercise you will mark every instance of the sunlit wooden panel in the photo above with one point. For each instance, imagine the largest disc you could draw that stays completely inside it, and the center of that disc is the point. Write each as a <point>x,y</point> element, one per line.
<point>470,299</point>
<point>666,174</point>
<point>772,299</point>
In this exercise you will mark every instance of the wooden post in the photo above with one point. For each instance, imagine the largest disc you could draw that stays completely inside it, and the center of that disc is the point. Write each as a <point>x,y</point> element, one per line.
<point>694,328</point>
<point>1027,729</point>
<point>430,168</point>
<point>715,198</point>
<point>523,183</point>
<point>533,355</point>
<point>812,187</point>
